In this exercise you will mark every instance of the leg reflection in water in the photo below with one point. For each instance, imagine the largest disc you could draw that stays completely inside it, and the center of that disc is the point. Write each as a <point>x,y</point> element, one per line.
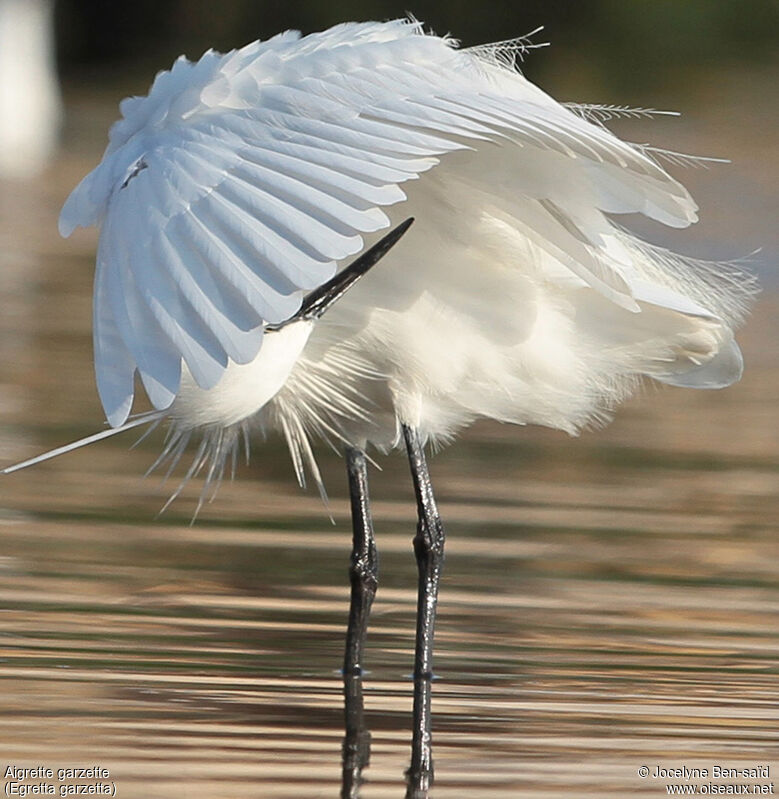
<point>363,573</point>
<point>357,741</point>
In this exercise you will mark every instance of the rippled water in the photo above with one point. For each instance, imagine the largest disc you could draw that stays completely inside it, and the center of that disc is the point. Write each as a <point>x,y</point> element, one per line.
<point>609,602</point>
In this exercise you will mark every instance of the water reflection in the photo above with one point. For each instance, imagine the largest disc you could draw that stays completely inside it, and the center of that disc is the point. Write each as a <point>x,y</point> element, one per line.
<point>608,602</point>
<point>357,738</point>
<point>571,646</point>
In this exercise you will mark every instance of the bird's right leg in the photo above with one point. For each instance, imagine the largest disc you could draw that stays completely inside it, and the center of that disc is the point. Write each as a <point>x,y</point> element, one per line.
<point>429,550</point>
<point>363,574</point>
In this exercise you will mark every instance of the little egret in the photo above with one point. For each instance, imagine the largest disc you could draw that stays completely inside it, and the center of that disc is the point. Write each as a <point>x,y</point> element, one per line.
<point>243,179</point>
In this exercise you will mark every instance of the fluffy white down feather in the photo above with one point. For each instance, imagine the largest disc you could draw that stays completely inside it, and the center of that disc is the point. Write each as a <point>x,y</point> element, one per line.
<point>242,180</point>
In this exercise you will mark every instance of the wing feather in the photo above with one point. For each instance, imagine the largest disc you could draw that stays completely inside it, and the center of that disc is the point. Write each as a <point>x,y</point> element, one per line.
<point>187,334</point>
<point>272,134</point>
<point>242,180</point>
<point>313,205</point>
<point>114,363</point>
<point>235,325</point>
<point>158,362</point>
<point>306,229</point>
<point>177,320</point>
<point>284,265</point>
<point>338,172</point>
<point>211,226</point>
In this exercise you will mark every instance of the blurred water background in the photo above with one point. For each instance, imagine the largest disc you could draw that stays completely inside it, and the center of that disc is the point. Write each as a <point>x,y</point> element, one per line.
<point>609,601</point>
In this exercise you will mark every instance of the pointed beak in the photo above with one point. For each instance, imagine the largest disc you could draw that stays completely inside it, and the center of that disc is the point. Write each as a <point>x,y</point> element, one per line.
<point>320,299</point>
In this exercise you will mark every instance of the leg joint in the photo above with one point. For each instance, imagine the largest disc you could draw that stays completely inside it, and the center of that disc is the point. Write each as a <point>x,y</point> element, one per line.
<point>429,540</point>
<point>365,571</point>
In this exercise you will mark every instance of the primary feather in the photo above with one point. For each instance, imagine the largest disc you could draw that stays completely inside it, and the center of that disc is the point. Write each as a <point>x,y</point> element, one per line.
<point>243,179</point>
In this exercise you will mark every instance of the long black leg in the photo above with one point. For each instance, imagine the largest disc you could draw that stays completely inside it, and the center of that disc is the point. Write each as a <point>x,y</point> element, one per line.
<point>429,550</point>
<point>364,567</point>
<point>363,574</point>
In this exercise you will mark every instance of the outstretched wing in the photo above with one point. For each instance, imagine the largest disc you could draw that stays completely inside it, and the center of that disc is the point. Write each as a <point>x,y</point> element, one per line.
<point>241,180</point>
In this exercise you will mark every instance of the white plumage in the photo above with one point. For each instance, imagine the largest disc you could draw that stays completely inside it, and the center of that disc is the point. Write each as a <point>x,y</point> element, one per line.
<point>243,179</point>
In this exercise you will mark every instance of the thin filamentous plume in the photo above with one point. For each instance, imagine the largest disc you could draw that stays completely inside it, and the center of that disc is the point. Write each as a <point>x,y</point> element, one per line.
<point>232,196</point>
<point>153,417</point>
<point>600,112</point>
<point>317,401</point>
<point>728,288</point>
<point>154,425</point>
<point>509,52</point>
<point>217,448</point>
<point>674,158</point>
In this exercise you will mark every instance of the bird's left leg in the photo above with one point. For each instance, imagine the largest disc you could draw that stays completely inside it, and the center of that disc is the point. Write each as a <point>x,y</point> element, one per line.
<point>429,550</point>
<point>364,567</point>
<point>363,574</point>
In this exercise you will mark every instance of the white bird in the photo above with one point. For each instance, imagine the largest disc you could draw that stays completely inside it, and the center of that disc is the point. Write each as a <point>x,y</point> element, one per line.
<point>243,179</point>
